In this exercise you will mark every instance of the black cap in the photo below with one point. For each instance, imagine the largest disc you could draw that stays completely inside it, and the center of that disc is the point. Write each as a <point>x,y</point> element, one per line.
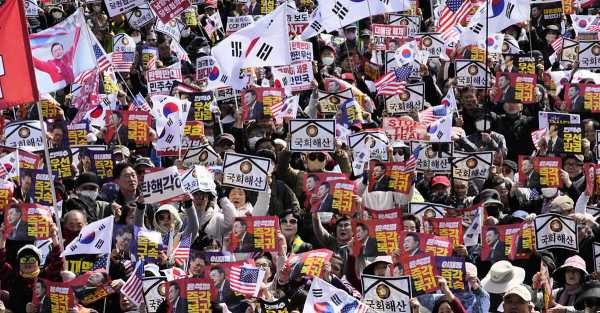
<point>87,178</point>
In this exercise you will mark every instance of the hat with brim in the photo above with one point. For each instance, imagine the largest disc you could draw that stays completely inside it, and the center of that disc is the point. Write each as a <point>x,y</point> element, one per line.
<point>576,263</point>
<point>386,259</point>
<point>30,249</point>
<point>501,276</point>
<point>591,292</point>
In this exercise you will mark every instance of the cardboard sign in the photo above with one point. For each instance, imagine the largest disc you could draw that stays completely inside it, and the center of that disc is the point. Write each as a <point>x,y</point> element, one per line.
<point>390,176</point>
<point>311,262</point>
<point>548,169</point>
<point>374,141</point>
<point>330,101</point>
<point>297,77</point>
<point>245,171</point>
<point>312,135</point>
<point>297,22</point>
<point>92,286</point>
<point>425,211</point>
<point>140,16</point>
<point>162,185</point>
<point>116,7</point>
<point>257,102</point>
<point>60,162</point>
<point>137,123</point>
<point>515,87</point>
<point>254,234</point>
<point>376,237</point>
<point>77,134</point>
<point>589,54</point>
<point>471,165</point>
<point>191,295</point>
<point>26,135</point>
<point>201,108</point>
<point>422,270</point>
<point>160,81</point>
<point>387,294</point>
<point>433,156</point>
<point>454,271</point>
<point>235,23</point>
<point>400,128</point>
<point>167,10</point>
<point>103,163</point>
<point>202,155</point>
<point>555,231</point>
<point>409,100</point>
<point>432,43</point>
<point>450,227</point>
<point>472,74</point>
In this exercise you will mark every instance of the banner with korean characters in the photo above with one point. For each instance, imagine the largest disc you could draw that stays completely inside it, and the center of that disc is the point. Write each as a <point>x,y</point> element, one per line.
<point>409,100</point>
<point>146,245</point>
<point>195,295</point>
<point>545,119</point>
<point>450,227</point>
<point>27,221</point>
<point>582,96</point>
<point>257,102</point>
<point>312,262</point>
<point>138,124</point>
<point>555,231</point>
<point>426,211</point>
<point>374,141</point>
<point>202,155</point>
<point>471,165</point>
<point>254,234</point>
<point>454,271</point>
<point>245,171</point>
<point>498,241</point>
<point>297,22</point>
<point>390,176</point>
<point>432,43</point>
<point>298,77</point>
<point>77,134</point>
<point>312,135</point>
<point>515,87</point>
<point>103,163</point>
<point>387,294</point>
<point>160,81</point>
<point>589,54</point>
<point>57,298</point>
<point>172,28</point>
<point>235,23</point>
<point>376,237</point>
<point>140,16</point>
<point>116,7</point>
<point>193,130</point>
<point>267,6</point>
<point>204,68</point>
<point>50,108</point>
<point>167,10</point>
<point>422,269</point>
<point>421,243</point>
<point>26,135</point>
<point>6,195</point>
<point>301,51</point>
<point>60,162</point>
<point>330,101</point>
<point>569,53</point>
<point>523,244</point>
<point>162,185</point>
<point>433,156</point>
<point>202,106</point>
<point>154,292</point>
<point>571,137</point>
<point>413,22</point>
<point>472,74</point>
<point>548,169</point>
<point>385,37</point>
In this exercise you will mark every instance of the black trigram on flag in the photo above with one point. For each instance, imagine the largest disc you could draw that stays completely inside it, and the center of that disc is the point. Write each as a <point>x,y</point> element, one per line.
<point>316,26</point>
<point>169,138</point>
<point>340,10</point>
<point>477,28</point>
<point>264,51</point>
<point>224,78</point>
<point>509,8</point>
<point>386,2</point>
<point>236,49</point>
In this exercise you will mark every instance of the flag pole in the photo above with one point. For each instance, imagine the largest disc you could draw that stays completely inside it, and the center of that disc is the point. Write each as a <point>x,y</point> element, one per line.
<point>50,177</point>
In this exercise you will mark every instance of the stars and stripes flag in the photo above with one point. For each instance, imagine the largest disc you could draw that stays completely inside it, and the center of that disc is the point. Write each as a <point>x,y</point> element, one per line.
<point>179,52</point>
<point>246,279</point>
<point>398,85</point>
<point>557,44</point>
<point>102,61</point>
<point>122,61</point>
<point>139,104</point>
<point>134,288</point>
<point>454,13</point>
<point>288,107</point>
<point>182,251</point>
<point>100,262</point>
<point>387,78</point>
<point>411,163</point>
<point>433,114</point>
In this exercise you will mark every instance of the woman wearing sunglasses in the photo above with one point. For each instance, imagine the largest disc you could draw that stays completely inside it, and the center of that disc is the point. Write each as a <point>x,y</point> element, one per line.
<point>288,221</point>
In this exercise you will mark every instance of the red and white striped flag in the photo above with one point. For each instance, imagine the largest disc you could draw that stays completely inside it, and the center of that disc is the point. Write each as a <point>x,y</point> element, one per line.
<point>433,114</point>
<point>385,79</point>
<point>134,288</point>
<point>557,44</point>
<point>287,107</point>
<point>179,51</point>
<point>391,89</point>
<point>182,251</point>
<point>411,163</point>
<point>453,14</point>
<point>246,279</point>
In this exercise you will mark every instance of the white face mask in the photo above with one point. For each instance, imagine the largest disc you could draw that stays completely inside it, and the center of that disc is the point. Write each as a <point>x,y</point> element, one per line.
<point>327,60</point>
<point>88,193</point>
<point>549,192</point>
<point>398,157</point>
<point>252,141</point>
<point>211,139</point>
<point>137,39</point>
<point>57,15</point>
<point>186,32</point>
<point>482,125</point>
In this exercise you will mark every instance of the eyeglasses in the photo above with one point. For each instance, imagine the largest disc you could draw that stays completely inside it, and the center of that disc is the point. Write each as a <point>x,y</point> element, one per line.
<point>262,265</point>
<point>292,221</point>
<point>27,260</point>
<point>89,187</point>
<point>314,156</point>
<point>162,217</point>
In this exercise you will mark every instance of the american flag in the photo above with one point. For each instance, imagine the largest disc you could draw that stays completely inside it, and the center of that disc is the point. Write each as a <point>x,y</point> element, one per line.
<point>139,104</point>
<point>102,61</point>
<point>182,251</point>
<point>100,263</point>
<point>433,114</point>
<point>122,61</point>
<point>594,26</point>
<point>387,78</point>
<point>246,279</point>
<point>453,14</point>
<point>411,163</point>
<point>395,87</point>
<point>557,44</point>
<point>134,288</point>
<point>183,87</point>
<point>179,52</point>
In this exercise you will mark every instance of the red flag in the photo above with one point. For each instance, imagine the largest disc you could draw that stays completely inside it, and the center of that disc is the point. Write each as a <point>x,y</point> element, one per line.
<point>17,79</point>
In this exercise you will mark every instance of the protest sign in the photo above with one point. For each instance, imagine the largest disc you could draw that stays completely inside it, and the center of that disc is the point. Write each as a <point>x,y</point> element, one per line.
<point>162,185</point>
<point>515,87</point>
<point>77,134</point>
<point>172,28</point>
<point>450,227</point>
<point>146,245</point>
<point>149,58</point>
<point>154,292</point>
<point>413,22</point>
<point>522,244</point>
<point>472,74</point>
<point>329,101</point>
<point>6,194</point>
<point>342,193</point>
<point>555,231</point>
<point>312,186</point>
<point>376,237</point>
<point>31,8</point>
<point>92,286</point>
<point>433,156</point>
<point>190,295</point>
<point>312,262</point>
<point>548,169</point>
<point>569,53</point>
<point>408,100</point>
<point>579,97</point>
<point>454,271</point>
<point>400,128</point>
<point>81,263</point>
<point>235,23</point>
<point>203,155</point>
<point>298,76</point>
<point>471,165</point>
<point>257,102</point>
<point>282,305</point>
<point>312,135</point>
<point>390,176</point>
<point>387,294</point>
<point>55,297</point>
<point>418,244</point>
<point>26,135</point>
<point>422,270</point>
<point>140,16</point>
<point>571,137</point>
<point>167,10</point>
<point>103,163</point>
<point>190,16</point>
<point>137,123</point>
<point>160,81</point>
<point>254,233</point>
<point>425,211</point>
<point>15,219</point>
<point>202,106</point>
<point>245,171</point>
<point>297,22</point>
<point>589,54</point>
<point>116,7</point>
<point>60,162</point>
<point>373,140</point>
<point>545,119</point>
<point>432,43</point>
<point>40,191</point>
<point>38,219</point>
<point>497,241</point>
<point>193,130</point>
<point>204,68</point>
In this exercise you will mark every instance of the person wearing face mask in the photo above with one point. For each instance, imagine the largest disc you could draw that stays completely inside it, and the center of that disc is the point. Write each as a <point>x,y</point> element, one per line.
<point>327,57</point>
<point>350,35</point>
<point>86,198</point>
<point>517,129</point>
<point>57,15</point>
<point>484,139</point>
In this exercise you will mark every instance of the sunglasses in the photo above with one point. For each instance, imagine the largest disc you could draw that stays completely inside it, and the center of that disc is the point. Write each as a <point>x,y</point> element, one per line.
<point>314,156</point>
<point>292,221</point>
<point>27,260</point>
